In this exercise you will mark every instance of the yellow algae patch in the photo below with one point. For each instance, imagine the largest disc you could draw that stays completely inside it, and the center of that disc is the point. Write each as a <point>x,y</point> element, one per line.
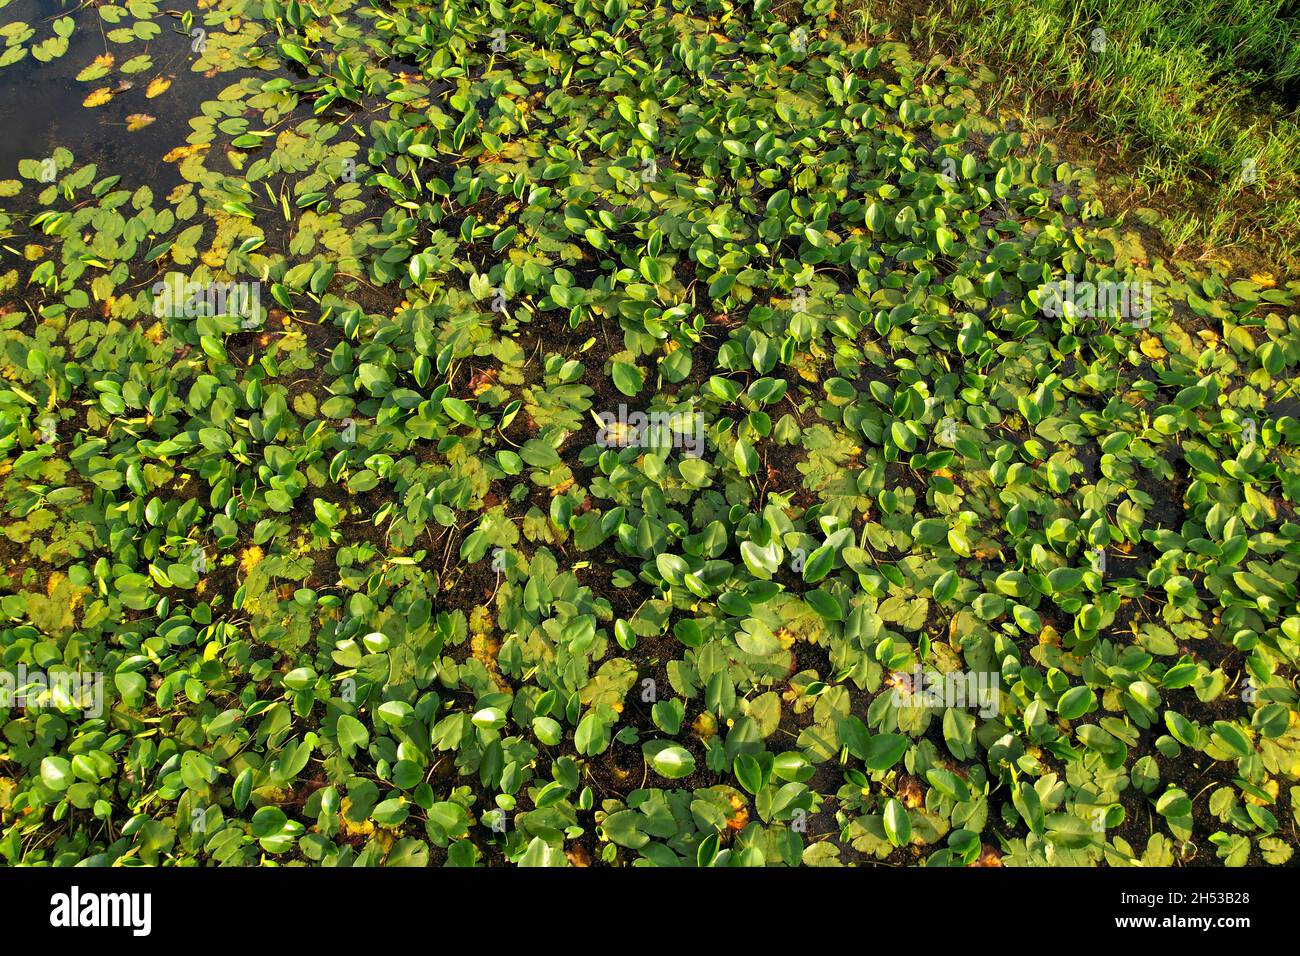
<point>250,558</point>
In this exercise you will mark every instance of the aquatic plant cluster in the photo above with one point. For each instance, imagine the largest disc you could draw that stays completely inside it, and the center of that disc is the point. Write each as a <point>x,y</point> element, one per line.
<point>628,433</point>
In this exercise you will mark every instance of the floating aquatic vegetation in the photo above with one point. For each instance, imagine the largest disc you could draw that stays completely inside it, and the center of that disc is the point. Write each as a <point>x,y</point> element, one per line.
<point>632,433</point>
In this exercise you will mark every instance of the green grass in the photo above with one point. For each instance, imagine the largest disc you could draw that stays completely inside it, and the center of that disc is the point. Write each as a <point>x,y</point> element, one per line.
<point>1182,95</point>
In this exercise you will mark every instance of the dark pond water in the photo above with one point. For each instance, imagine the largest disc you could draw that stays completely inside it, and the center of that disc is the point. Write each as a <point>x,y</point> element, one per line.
<point>42,102</point>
